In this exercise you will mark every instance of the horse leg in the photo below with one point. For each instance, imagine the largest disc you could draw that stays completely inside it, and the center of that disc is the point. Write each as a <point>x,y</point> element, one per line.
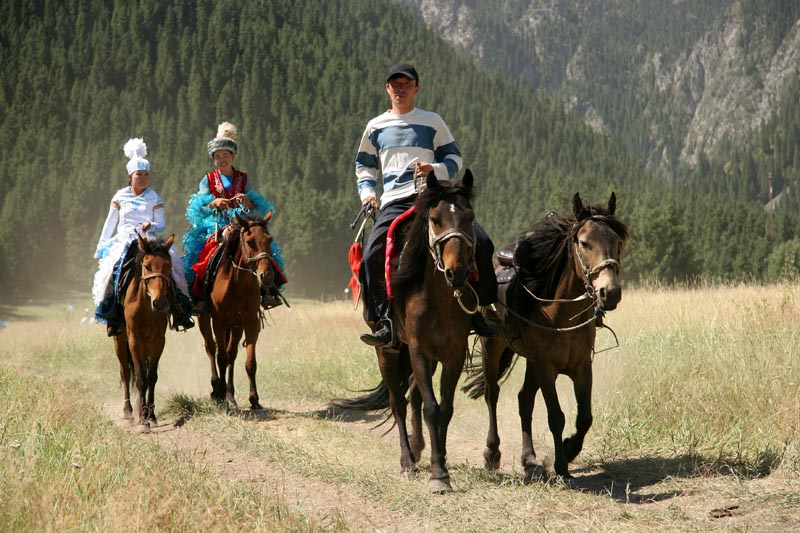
<point>525,400</point>
<point>423,378</point>
<point>389,364</point>
<point>250,337</point>
<point>451,371</point>
<point>140,379</point>
<point>152,377</point>
<point>417,439</point>
<point>555,420</point>
<point>217,385</point>
<point>582,385</point>
<point>124,357</point>
<point>231,349</point>
<point>492,353</point>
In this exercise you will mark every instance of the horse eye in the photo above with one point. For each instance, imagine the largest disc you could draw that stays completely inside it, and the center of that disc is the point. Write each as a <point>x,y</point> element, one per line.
<point>585,245</point>
<point>436,221</point>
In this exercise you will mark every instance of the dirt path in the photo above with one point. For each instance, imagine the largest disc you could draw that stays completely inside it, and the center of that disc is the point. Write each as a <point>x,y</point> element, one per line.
<point>319,501</point>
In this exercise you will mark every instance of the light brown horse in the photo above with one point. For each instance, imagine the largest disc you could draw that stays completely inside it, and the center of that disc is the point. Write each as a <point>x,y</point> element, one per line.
<point>567,276</point>
<point>146,306</point>
<point>432,323</point>
<point>232,308</point>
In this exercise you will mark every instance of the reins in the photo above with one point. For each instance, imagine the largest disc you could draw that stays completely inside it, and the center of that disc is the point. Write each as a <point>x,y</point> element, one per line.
<point>589,294</point>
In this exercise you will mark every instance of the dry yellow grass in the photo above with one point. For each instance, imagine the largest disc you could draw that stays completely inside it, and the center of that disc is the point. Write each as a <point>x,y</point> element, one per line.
<point>696,418</point>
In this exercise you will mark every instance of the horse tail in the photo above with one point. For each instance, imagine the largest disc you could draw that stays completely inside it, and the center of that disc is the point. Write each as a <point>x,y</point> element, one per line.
<point>476,385</point>
<point>377,398</point>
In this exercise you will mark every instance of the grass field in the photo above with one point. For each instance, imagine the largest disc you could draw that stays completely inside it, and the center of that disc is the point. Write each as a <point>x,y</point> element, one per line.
<point>697,427</point>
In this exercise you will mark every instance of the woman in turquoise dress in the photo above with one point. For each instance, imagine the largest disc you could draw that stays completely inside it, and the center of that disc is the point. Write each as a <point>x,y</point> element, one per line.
<point>224,192</point>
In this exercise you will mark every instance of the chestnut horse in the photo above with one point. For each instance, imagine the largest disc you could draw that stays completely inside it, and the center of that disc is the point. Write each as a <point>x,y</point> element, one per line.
<point>431,320</point>
<point>146,305</point>
<point>567,276</point>
<point>232,306</point>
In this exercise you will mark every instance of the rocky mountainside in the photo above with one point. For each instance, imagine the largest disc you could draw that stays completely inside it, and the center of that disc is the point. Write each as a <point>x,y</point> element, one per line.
<point>671,79</point>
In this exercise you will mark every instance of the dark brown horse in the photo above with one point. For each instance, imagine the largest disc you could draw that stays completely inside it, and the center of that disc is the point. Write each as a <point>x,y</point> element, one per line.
<point>567,276</point>
<point>146,305</point>
<point>431,320</point>
<point>232,307</point>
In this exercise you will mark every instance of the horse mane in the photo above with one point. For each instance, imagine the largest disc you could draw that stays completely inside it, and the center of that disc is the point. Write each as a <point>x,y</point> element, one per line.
<point>415,237</point>
<point>230,242</point>
<point>542,253</point>
<point>152,246</point>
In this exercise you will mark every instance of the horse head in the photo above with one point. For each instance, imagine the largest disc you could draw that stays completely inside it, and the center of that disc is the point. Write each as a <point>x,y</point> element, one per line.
<point>256,248</point>
<point>451,239</point>
<point>156,270</point>
<point>599,240</point>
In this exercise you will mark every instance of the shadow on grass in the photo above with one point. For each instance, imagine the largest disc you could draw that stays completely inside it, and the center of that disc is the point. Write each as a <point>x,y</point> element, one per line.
<point>632,480</point>
<point>182,408</point>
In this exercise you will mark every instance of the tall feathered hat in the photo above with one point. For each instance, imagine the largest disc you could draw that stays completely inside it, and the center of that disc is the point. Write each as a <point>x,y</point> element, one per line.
<point>135,149</point>
<point>227,136</point>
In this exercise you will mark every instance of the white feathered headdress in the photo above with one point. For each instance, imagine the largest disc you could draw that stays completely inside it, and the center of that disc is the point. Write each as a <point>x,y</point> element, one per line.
<point>226,139</point>
<point>135,149</point>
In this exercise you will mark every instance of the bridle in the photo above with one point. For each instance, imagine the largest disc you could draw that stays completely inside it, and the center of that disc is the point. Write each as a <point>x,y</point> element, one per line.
<point>250,260</point>
<point>147,277</point>
<point>589,274</point>
<point>436,244</point>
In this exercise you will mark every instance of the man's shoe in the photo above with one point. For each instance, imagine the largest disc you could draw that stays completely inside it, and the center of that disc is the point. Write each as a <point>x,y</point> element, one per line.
<point>184,324</point>
<point>197,308</point>
<point>381,337</point>
<point>481,327</point>
<point>269,300</point>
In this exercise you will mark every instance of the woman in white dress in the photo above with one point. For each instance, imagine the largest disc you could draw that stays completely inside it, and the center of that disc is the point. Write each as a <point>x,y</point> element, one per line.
<point>134,208</point>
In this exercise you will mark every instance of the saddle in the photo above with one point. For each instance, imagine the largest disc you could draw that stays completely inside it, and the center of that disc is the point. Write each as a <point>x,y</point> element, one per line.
<point>126,271</point>
<point>215,261</point>
<point>505,256</point>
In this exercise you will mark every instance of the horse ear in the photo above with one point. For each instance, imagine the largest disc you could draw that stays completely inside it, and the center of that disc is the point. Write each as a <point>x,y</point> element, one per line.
<point>239,222</point>
<point>142,242</point>
<point>267,217</point>
<point>467,179</point>
<point>431,182</point>
<point>169,241</point>
<point>612,203</point>
<point>577,206</point>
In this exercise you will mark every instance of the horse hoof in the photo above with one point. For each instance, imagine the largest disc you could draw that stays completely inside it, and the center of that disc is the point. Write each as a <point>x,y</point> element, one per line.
<point>440,486</point>
<point>535,472</point>
<point>256,407</point>
<point>491,459</point>
<point>410,472</point>
<point>143,428</point>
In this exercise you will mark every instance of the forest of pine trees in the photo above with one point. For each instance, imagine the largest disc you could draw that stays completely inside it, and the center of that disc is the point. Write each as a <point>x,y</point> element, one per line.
<point>300,79</point>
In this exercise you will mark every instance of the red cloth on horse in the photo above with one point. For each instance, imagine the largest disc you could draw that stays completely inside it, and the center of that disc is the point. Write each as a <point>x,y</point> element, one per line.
<point>392,247</point>
<point>200,267</point>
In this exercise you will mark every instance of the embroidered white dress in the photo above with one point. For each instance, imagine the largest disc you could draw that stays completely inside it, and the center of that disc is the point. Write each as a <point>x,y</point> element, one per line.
<point>133,211</point>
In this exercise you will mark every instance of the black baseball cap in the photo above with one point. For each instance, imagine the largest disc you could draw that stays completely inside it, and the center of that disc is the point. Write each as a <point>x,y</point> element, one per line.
<point>402,69</point>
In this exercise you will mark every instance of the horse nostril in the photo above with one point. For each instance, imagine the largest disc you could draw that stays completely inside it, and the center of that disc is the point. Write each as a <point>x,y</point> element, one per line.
<point>449,275</point>
<point>602,294</point>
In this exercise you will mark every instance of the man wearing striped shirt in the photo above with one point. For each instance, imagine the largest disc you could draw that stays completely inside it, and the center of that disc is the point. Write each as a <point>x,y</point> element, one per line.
<point>398,146</point>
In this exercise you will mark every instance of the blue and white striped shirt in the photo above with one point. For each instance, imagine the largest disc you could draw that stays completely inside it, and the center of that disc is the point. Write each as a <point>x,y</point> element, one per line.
<point>393,143</point>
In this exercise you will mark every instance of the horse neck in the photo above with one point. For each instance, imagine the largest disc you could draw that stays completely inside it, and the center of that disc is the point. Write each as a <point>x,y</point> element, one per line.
<point>238,280</point>
<point>570,286</point>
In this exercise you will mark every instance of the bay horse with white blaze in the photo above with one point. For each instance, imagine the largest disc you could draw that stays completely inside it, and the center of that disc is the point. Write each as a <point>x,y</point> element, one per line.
<point>146,304</point>
<point>232,306</point>
<point>567,274</point>
<point>431,321</point>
